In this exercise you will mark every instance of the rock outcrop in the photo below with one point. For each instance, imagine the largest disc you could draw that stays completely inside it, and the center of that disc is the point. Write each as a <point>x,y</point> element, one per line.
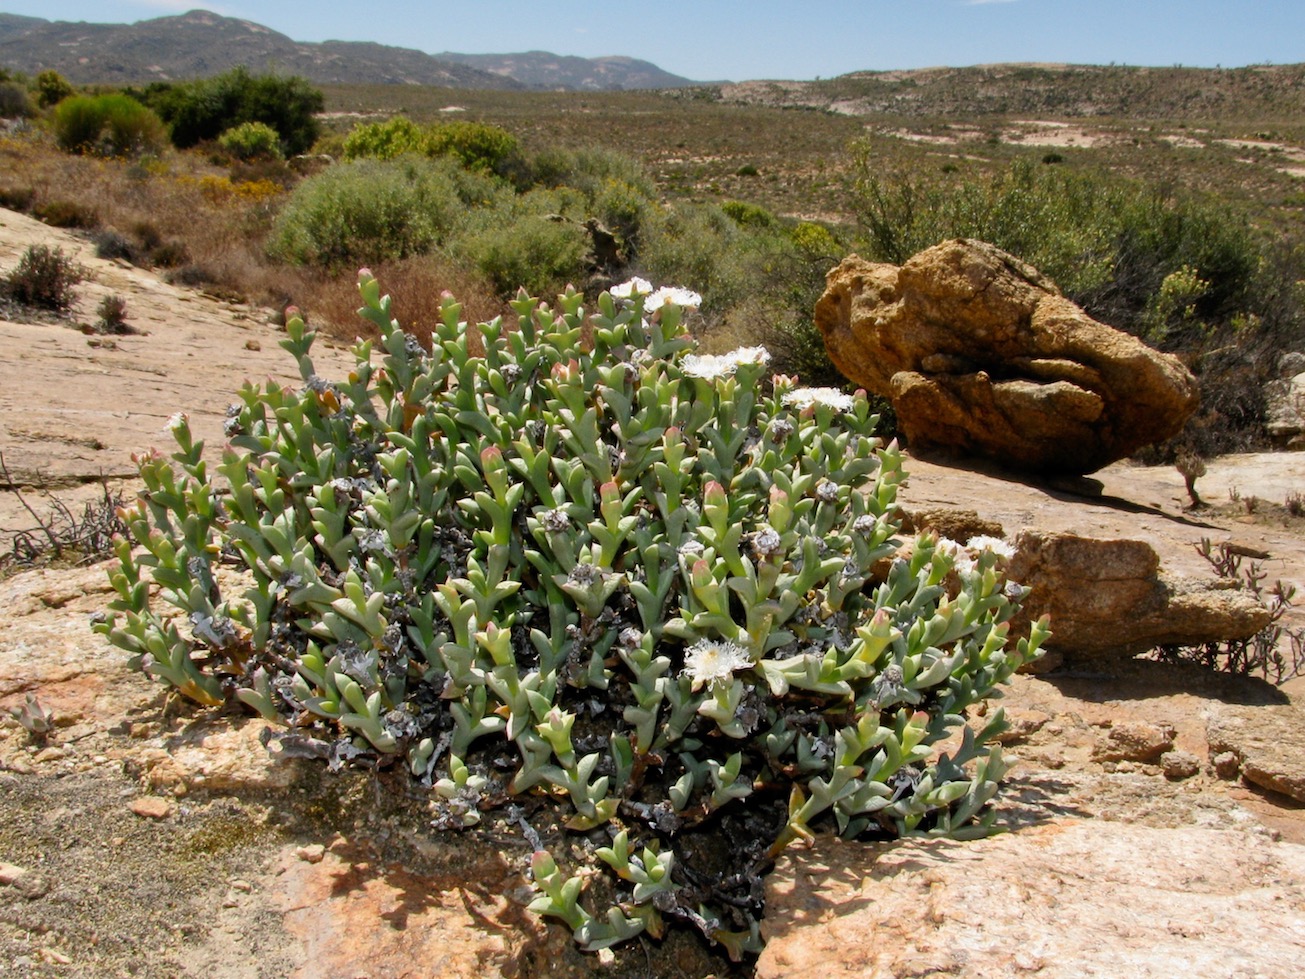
<point>1108,599</point>
<point>1268,743</point>
<point>1065,899</point>
<point>981,354</point>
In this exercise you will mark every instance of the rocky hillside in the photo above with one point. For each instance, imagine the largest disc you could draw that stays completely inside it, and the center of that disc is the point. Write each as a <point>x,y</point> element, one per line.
<point>542,69</point>
<point>1173,93</point>
<point>199,44</point>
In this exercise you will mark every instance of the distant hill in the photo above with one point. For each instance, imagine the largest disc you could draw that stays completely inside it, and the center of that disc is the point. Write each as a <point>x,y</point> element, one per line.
<point>200,44</point>
<point>540,69</point>
<point>1176,92</point>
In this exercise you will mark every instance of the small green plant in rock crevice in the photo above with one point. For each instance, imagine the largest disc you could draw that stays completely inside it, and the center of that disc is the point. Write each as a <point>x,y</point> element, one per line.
<point>564,556</point>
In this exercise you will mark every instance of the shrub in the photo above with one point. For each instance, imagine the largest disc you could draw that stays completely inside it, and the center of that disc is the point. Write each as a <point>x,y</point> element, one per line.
<point>112,313</point>
<point>365,211</point>
<point>750,215</point>
<point>106,125</point>
<point>204,109</point>
<point>477,146</point>
<point>67,214</point>
<point>52,88</point>
<point>15,103</point>
<point>384,140</point>
<point>595,568</point>
<point>251,141</point>
<point>17,198</point>
<point>536,253</point>
<point>113,244</point>
<point>44,278</point>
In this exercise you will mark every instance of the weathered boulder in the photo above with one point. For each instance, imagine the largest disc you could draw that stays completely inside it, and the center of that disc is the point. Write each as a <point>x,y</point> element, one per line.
<point>981,354</point>
<point>1065,899</point>
<point>1108,599</point>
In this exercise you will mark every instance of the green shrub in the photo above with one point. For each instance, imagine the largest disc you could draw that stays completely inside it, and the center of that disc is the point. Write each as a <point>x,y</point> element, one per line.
<point>595,568</point>
<point>52,88</point>
<point>107,125</point>
<point>44,279</point>
<point>750,215</point>
<point>477,146</point>
<point>366,211</point>
<point>251,141</point>
<point>384,140</point>
<point>204,109</point>
<point>535,252</point>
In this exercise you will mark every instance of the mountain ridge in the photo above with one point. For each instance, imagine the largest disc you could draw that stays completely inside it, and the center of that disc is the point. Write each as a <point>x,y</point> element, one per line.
<point>200,43</point>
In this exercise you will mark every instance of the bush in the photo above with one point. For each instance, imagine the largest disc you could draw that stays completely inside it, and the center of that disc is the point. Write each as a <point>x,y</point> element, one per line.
<point>477,146</point>
<point>535,253</point>
<point>17,198</point>
<point>384,140</point>
<point>204,109</point>
<point>251,141</point>
<point>106,125</point>
<point>44,278</point>
<point>366,211</point>
<point>67,214</point>
<point>594,568</point>
<point>15,103</point>
<point>112,313</point>
<point>52,88</point>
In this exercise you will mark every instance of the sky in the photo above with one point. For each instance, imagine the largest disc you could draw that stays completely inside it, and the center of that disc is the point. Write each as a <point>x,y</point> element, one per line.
<point>714,40</point>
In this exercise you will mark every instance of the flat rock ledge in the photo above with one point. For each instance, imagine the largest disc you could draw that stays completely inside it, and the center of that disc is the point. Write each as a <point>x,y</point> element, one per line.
<point>1267,742</point>
<point>1062,900</point>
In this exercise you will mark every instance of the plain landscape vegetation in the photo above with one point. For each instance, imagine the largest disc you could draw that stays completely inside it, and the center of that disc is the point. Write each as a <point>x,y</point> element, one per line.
<point>1177,221</point>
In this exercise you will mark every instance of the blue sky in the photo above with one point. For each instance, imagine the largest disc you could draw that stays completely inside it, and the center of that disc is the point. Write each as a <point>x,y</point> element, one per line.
<point>746,39</point>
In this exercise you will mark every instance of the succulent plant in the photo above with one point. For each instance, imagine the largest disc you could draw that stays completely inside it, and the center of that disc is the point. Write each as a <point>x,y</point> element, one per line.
<point>561,554</point>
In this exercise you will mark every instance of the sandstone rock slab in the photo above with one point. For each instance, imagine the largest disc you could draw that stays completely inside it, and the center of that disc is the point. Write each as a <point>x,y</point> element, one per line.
<point>1108,599</point>
<point>981,355</point>
<point>1267,741</point>
<point>1062,900</point>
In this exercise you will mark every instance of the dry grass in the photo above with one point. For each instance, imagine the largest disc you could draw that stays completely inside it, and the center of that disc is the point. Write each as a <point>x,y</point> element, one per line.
<point>205,227</point>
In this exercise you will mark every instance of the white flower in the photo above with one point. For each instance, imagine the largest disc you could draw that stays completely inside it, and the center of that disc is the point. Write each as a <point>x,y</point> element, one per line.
<point>713,660</point>
<point>962,563</point>
<point>707,366</point>
<point>805,397</point>
<point>674,296</point>
<point>996,545</point>
<point>749,355</point>
<point>631,288</point>
<point>178,421</point>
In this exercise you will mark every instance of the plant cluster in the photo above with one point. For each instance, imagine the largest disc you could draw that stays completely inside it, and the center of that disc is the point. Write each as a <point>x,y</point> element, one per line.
<point>44,278</point>
<point>251,141</point>
<point>107,125</point>
<point>61,534</point>
<point>476,146</point>
<point>567,557</point>
<point>204,109</point>
<point>1276,652</point>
